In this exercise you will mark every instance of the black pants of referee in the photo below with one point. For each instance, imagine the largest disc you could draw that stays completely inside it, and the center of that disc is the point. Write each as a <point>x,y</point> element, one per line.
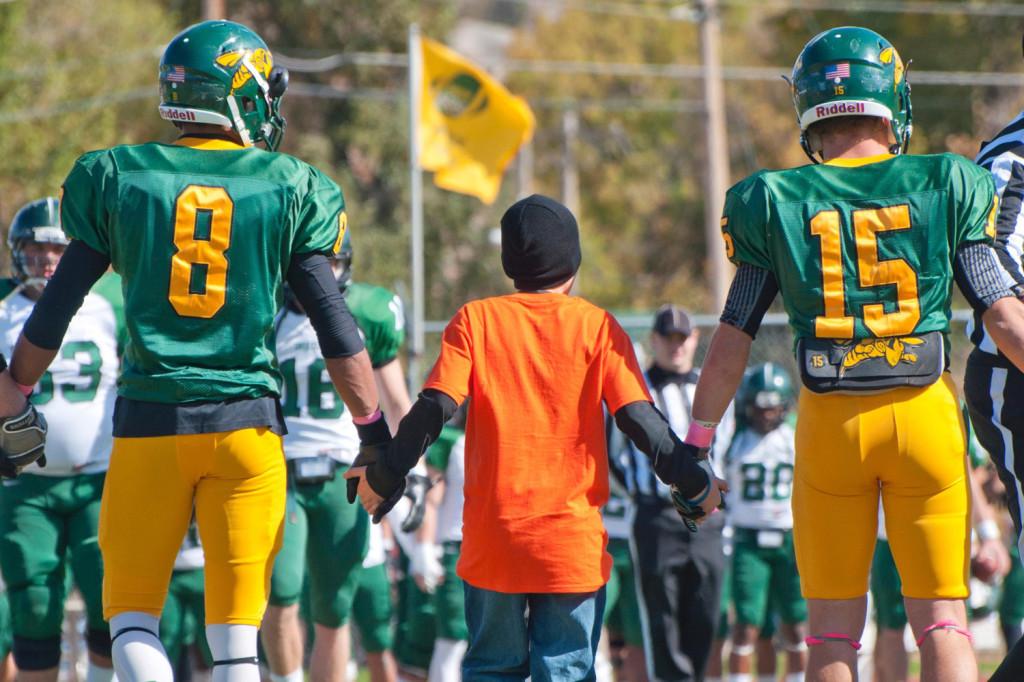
<point>994,390</point>
<point>679,580</point>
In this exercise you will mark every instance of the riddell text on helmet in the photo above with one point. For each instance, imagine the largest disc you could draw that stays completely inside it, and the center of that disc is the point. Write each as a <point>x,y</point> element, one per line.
<point>179,114</point>
<point>839,108</point>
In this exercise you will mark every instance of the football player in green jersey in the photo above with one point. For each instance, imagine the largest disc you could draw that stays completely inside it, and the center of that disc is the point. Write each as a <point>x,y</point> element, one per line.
<point>325,539</point>
<point>49,516</point>
<point>864,245</point>
<point>203,233</point>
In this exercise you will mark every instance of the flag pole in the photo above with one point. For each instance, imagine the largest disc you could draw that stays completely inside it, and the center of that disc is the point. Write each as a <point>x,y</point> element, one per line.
<point>416,199</point>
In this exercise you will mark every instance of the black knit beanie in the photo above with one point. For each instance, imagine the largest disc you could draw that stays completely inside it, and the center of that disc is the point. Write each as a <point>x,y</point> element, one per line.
<point>540,243</point>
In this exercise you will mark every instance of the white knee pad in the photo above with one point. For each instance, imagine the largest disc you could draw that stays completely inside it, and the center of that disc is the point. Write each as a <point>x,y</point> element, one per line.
<point>743,649</point>
<point>136,650</point>
<point>234,650</point>
<point>446,662</point>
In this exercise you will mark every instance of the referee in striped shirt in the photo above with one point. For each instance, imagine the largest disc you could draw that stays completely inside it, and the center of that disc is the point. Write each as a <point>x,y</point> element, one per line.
<point>679,573</point>
<point>993,386</point>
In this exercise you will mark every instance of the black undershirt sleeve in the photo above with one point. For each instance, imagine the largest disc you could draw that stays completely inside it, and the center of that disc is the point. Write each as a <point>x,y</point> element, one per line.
<point>979,276</point>
<point>751,294</point>
<point>78,270</point>
<point>418,429</point>
<point>311,278</point>
<point>652,435</point>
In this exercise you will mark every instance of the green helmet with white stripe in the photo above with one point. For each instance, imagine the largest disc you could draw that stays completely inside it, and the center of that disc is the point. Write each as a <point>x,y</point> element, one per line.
<point>222,73</point>
<point>36,222</point>
<point>851,71</point>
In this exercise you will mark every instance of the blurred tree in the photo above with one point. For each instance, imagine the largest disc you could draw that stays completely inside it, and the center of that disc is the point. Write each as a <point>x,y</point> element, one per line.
<point>75,76</point>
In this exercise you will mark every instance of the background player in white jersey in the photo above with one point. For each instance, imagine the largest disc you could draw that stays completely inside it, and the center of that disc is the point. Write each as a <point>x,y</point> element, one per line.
<point>759,462</point>
<point>49,516</point>
<point>447,458</point>
<point>325,536</point>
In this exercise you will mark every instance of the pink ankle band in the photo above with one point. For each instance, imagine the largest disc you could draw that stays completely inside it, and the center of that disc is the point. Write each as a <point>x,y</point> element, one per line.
<point>832,637</point>
<point>368,419</point>
<point>945,625</point>
<point>699,435</point>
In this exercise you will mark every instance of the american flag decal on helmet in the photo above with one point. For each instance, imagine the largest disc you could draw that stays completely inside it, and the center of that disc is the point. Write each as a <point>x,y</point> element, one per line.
<point>837,71</point>
<point>176,74</point>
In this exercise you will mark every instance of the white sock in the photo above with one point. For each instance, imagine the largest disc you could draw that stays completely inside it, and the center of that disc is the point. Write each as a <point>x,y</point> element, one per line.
<point>230,642</point>
<point>97,674</point>
<point>294,676</point>
<point>446,662</point>
<point>767,678</point>
<point>138,654</point>
<point>794,677</point>
<point>741,677</point>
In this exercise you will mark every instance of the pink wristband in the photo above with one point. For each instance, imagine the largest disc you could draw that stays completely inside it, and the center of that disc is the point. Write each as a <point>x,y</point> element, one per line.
<point>699,435</point>
<point>25,390</point>
<point>368,419</point>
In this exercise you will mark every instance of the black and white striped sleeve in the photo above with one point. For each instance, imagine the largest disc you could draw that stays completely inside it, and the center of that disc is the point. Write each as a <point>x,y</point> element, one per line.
<point>1007,168</point>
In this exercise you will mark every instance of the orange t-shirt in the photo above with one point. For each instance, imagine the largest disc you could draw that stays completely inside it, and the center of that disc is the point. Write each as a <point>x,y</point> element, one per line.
<point>537,367</point>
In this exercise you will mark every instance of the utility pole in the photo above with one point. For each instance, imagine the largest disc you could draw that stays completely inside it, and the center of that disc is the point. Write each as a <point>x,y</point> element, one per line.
<point>214,9</point>
<point>570,173</point>
<point>717,179</point>
<point>524,171</point>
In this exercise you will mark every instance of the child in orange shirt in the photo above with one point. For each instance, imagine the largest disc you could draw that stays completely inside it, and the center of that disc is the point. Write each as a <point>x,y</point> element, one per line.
<point>540,366</point>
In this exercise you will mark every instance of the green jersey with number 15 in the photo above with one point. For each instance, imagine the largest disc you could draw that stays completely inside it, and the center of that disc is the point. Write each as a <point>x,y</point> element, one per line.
<point>202,233</point>
<point>862,248</point>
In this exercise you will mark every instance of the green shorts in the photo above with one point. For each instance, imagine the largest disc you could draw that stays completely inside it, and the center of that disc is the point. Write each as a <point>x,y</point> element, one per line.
<point>887,589</point>
<point>417,624</point>
<point>761,568</point>
<point>48,525</point>
<point>328,537</point>
<point>6,635</point>
<point>372,609</point>
<point>450,598</point>
<point>1011,601</point>
<point>183,621</point>
<point>621,611</point>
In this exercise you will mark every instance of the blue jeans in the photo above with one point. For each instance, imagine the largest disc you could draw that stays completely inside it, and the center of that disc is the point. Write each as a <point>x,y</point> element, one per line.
<point>547,637</point>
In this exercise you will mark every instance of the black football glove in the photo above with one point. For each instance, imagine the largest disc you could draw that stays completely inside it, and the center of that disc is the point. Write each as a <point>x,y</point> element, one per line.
<point>22,438</point>
<point>416,488</point>
<point>689,510</point>
<point>368,456</point>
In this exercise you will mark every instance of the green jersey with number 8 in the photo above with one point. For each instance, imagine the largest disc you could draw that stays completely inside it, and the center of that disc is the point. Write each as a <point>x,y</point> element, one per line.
<point>862,248</point>
<point>202,233</point>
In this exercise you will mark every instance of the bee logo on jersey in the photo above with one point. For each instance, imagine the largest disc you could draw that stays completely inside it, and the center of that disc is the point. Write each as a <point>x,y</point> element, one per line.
<point>259,59</point>
<point>893,350</point>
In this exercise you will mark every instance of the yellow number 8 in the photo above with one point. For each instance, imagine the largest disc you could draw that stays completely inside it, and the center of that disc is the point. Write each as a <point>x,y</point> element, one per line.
<point>204,298</point>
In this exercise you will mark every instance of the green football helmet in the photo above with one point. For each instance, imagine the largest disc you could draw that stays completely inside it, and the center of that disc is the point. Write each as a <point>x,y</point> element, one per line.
<point>222,73</point>
<point>764,387</point>
<point>851,71</point>
<point>37,222</point>
<point>343,263</point>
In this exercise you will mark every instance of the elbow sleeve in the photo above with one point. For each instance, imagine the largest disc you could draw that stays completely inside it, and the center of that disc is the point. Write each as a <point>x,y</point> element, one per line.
<point>418,429</point>
<point>311,278</point>
<point>751,294</point>
<point>979,275</point>
<point>652,435</point>
<point>79,268</point>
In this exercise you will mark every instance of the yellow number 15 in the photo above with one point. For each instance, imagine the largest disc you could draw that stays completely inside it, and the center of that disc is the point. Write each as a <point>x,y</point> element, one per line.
<point>872,272</point>
<point>199,268</point>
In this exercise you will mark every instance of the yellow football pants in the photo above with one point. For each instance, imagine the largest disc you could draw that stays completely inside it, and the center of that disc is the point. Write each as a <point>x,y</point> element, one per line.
<point>234,480</point>
<point>906,445</point>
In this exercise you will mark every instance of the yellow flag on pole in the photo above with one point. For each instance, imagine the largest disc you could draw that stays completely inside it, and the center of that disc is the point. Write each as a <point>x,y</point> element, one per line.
<point>470,126</point>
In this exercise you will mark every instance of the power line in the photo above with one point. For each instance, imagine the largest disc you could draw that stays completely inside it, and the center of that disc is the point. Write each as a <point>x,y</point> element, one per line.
<point>999,9</point>
<point>641,70</point>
